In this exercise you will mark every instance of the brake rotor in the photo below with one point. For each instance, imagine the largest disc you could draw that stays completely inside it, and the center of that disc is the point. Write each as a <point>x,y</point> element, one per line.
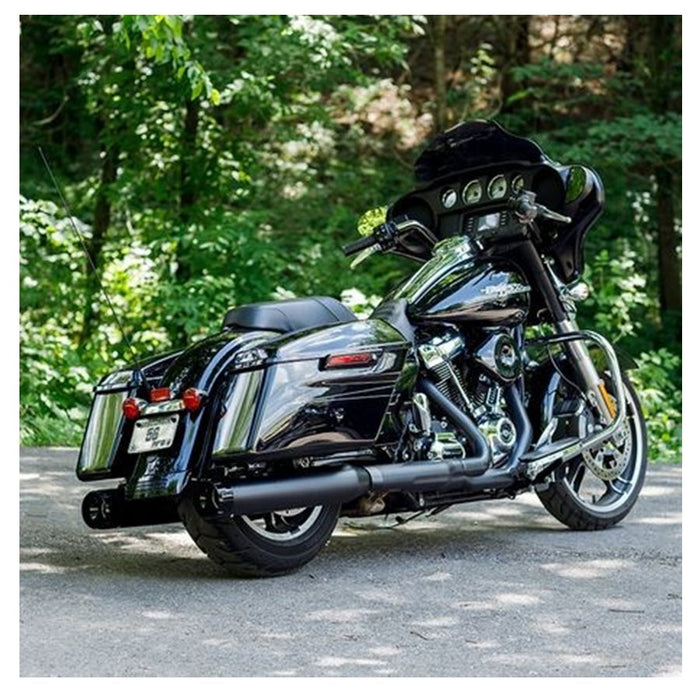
<point>611,459</point>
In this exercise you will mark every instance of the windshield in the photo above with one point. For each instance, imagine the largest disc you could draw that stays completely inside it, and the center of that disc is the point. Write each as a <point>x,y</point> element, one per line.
<point>474,144</point>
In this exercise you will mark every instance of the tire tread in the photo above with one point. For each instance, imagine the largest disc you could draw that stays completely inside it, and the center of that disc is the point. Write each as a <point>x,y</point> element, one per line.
<point>224,544</point>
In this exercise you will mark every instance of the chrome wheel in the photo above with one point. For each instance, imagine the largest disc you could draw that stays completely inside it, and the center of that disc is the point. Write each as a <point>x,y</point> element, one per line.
<point>598,489</point>
<point>604,478</point>
<point>284,525</point>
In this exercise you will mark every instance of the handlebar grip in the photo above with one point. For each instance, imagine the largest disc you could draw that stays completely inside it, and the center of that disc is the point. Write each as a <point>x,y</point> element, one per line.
<point>357,246</point>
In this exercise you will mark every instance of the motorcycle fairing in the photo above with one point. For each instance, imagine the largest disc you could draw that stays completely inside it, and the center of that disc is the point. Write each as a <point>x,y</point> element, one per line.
<point>484,148</point>
<point>474,144</point>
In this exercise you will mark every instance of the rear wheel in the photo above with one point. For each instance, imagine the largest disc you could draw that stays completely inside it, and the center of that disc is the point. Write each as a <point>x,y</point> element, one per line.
<point>596,490</point>
<point>270,544</point>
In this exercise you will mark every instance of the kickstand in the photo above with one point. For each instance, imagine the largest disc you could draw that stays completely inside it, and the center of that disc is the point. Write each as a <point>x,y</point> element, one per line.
<point>432,513</point>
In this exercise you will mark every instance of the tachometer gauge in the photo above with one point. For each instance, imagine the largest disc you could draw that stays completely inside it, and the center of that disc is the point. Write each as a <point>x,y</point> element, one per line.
<point>498,187</point>
<point>449,198</point>
<point>472,192</point>
<point>518,184</point>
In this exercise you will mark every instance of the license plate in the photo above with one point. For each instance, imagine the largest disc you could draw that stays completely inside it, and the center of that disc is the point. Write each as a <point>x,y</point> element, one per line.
<point>153,434</point>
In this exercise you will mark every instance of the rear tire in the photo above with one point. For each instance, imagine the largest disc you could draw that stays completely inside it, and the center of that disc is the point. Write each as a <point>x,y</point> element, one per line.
<point>272,544</point>
<point>595,494</point>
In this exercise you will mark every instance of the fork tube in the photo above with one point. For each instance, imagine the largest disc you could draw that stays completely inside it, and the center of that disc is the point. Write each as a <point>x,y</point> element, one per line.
<point>575,349</point>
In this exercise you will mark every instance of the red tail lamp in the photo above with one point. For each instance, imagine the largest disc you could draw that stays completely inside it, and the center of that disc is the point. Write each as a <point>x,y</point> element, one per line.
<point>192,398</point>
<point>355,359</point>
<point>160,394</point>
<point>131,408</point>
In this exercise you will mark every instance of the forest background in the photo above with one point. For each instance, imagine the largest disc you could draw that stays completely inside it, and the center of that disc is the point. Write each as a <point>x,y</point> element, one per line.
<point>219,160</point>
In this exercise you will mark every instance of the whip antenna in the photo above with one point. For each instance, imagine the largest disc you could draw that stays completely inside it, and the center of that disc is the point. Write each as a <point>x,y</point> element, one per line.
<point>93,267</point>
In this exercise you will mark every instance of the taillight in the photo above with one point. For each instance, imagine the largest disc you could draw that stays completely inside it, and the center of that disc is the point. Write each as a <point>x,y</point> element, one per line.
<point>192,398</point>
<point>131,408</point>
<point>355,359</point>
<point>160,394</point>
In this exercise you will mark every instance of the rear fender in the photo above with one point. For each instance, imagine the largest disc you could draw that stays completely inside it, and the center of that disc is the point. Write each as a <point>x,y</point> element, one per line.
<point>206,366</point>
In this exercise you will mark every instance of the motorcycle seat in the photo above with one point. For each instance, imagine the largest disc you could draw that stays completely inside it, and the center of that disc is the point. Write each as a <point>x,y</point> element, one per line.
<point>289,315</point>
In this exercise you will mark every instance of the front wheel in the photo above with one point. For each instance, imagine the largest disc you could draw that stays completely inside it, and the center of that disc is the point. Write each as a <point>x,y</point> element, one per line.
<point>596,490</point>
<point>271,544</point>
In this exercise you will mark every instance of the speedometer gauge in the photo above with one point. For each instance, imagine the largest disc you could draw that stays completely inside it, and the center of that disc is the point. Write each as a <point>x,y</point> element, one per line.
<point>449,198</point>
<point>518,184</point>
<point>498,187</point>
<point>472,192</point>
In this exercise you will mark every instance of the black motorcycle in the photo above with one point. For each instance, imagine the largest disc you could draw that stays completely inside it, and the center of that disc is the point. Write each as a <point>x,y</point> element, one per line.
<point>470,381</point>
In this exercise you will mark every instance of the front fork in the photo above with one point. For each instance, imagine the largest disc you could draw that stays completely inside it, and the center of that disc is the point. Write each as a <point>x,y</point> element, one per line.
<point>596,392</point>
<point>560,301</point>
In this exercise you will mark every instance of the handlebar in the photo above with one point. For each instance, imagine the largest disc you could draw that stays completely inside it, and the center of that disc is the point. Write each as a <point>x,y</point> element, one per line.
<point>385,235</point>
<point>357,246</point>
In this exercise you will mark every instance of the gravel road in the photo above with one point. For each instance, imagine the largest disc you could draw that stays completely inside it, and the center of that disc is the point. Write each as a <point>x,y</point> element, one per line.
<point>488,589</point>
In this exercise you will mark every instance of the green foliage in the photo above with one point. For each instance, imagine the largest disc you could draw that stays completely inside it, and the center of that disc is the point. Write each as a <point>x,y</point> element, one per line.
<point>620,293</point>
<point>657,382</point>
<point>621,308</point>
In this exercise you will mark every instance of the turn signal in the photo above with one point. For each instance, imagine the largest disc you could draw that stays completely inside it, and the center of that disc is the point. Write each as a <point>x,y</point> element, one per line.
<point>192,399</point>
<point>131,408</point>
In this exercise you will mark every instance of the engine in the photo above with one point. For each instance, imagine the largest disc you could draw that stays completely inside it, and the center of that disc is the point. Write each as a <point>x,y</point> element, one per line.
<point>474,381</point>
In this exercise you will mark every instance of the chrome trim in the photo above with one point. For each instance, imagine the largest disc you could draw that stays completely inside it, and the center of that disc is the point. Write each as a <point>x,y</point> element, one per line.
<point>584,366</point>
<point>102,433</point>
<point>240,401</point>
<point>160,407</point>
<point>592,441</point>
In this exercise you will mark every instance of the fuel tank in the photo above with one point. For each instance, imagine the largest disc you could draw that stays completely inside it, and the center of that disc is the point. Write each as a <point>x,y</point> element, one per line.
<point>458,286</point>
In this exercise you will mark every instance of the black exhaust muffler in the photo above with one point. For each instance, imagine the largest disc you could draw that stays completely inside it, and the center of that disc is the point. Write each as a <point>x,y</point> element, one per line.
<point>107,509</point>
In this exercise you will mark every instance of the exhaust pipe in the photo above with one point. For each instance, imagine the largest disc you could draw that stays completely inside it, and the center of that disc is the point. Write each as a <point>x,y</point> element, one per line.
<point>107,509</point>
<point>347,483</point>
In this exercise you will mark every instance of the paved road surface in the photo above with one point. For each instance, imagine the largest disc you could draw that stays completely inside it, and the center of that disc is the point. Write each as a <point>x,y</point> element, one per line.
<point>489,589</point>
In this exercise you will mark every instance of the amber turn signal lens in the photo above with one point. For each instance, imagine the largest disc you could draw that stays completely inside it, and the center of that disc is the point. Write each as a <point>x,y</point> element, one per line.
<point>608,400</point>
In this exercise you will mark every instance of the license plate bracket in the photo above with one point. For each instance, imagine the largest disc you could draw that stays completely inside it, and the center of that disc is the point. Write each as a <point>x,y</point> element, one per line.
<point>151,434</point>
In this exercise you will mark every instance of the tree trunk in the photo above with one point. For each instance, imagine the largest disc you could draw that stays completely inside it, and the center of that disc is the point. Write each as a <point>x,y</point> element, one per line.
<point>188,191</point>
<point>440,73</point>
<point>669,262</point>
<point>102,215</point>
<point>663,59</point>
<point>517,46</point>
<point>188,199</point>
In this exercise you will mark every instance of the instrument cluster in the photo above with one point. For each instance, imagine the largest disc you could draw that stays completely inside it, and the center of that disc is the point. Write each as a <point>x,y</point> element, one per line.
<point>482,190</point>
